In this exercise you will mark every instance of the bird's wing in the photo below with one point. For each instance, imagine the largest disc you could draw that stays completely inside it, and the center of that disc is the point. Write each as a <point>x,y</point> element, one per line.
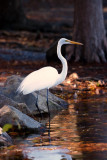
<point>37,80</point>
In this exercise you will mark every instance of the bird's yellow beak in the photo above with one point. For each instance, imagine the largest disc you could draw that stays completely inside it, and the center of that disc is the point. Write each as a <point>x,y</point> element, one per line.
<point>73,42</point>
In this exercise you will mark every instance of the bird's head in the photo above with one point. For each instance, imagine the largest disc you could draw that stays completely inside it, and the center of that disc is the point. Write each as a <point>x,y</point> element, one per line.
<point>66,41</point>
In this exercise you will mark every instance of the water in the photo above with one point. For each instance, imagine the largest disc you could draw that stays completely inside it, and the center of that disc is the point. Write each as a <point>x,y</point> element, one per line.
<point>78,133</point>
<point>44,153</point>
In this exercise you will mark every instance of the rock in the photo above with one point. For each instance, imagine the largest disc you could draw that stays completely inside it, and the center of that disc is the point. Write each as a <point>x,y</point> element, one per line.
<point>11,115</point>
<point>55,103</point>
<point>5,139</point>
<point>8,101</point>
<point>11,86</point>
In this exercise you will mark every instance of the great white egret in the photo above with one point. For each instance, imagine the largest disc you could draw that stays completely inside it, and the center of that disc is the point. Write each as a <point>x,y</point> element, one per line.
<point>46,77</point>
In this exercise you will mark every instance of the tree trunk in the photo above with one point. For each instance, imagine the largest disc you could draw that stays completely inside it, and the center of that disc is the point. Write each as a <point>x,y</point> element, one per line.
<point>89,29</point>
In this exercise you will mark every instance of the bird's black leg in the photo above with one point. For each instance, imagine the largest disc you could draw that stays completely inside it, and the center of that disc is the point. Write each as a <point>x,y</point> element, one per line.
<point>48,103</point>
<point>37,104</point>
<point>49,116</point>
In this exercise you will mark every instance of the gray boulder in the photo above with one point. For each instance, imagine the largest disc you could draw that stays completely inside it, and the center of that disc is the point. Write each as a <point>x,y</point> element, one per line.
<point>10,89</point>
<point>8,101</point>
<point>11,115</point>
<point>5,139</point>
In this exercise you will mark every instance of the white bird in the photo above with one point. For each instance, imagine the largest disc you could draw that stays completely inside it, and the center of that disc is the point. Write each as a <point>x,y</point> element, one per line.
<point>46,77</point>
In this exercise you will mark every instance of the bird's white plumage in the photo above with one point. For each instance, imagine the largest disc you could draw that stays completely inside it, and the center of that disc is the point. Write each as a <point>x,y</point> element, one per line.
<point>48,76</point>
<point>40,79</point>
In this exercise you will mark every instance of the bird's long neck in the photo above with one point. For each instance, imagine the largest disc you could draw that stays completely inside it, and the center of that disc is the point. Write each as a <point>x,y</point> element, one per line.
<point>64,63</point>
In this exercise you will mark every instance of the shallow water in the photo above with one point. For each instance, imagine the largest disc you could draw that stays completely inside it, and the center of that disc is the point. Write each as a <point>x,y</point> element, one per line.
<point>78,133</point>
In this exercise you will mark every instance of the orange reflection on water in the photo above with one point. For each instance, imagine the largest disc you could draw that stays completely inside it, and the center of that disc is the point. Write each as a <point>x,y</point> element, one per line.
<point>82,128</point>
